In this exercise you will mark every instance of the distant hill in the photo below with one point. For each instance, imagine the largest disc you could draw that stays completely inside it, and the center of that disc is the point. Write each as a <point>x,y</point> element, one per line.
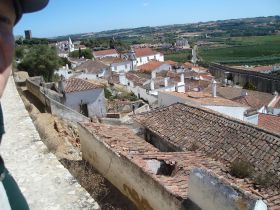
<point>258,26</point>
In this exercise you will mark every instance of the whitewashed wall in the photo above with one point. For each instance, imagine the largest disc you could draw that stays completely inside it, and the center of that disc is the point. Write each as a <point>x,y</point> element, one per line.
<point>146,59</point>
<point>122,67</point>
<point>231,111</point>
<point>95,100</point>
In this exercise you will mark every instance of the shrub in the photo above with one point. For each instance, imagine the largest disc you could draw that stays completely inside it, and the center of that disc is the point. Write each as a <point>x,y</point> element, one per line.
<point>241,169</point>
<point>250,86</point>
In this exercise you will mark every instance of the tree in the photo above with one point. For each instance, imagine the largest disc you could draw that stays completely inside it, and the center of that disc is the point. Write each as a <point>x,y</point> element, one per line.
<point>87,53</point>
<point>250,86</point>
<point>20,51</point>
<point>41,60</point>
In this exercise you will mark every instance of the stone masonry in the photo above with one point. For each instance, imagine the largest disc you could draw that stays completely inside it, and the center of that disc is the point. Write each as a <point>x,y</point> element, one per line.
<point>45,183</point>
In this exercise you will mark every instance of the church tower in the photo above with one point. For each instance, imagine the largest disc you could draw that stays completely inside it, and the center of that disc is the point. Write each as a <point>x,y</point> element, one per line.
<point>70,45</point>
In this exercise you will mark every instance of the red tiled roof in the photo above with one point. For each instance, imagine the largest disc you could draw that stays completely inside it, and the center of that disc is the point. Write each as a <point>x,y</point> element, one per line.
<point>105,52</point>
<point>202,98</point>
<point>122,141</point>
<point>208,77</point>
<point>263,68</point>
<point>137,79</point>
<point>141,52</point>
<point>170,62</point>
<point>251,101</point>
<point>77,85</point>
<point>113,60</point>
<point>216,135</point>
<point>91,66</point>
<point>269,122</point>
<point>149,67</point>
<point>254,99</point>
<point>188,65</point>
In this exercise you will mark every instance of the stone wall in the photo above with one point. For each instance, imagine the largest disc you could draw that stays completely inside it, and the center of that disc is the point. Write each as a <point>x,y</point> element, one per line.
<point>142,94</point>
<point>206,191</point>
<point>145,192</point>
<point>263,82</point>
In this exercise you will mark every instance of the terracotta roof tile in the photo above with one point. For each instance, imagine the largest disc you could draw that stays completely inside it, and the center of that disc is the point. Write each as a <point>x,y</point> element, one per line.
<point>203,98</point>
<point>137,78</point>
<point>91,66</point>
<point>112,60</point>
<point>124,142</point>
<point>170,62</point>
<point>105,52</point>
<point>218,136</point>
<point>77,85</point>
<point>254,99</point>
<point>120,139</point>
<point>150,66</point>
<point>146,51</point>
<point>269,122</point>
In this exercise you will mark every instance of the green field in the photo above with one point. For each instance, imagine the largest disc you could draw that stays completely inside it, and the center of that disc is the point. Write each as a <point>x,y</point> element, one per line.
<point>179,56</point>
<point>243,50</point>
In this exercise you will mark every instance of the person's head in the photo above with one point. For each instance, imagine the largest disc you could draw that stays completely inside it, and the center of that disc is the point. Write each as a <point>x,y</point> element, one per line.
<point>10,13</point>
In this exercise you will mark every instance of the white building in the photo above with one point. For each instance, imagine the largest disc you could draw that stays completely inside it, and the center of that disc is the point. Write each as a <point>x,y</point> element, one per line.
<point>105,53</point>
<point>210,101</point>
<point>92,70</point>
<point>64,72</point>
<point>144,55</point>
<point>84,97</point>
<point>118,64</point>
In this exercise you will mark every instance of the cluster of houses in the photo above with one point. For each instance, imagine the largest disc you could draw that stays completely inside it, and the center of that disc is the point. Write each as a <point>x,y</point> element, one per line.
<point>144,72</point>
<point>178,155</point>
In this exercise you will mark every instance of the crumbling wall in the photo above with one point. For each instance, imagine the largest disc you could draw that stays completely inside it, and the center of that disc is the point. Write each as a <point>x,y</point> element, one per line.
<point>132,181</point>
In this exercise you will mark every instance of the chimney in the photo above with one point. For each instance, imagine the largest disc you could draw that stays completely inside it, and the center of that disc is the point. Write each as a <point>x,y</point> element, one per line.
<point>122,78</point>
<point>152,85</point>
<point>67,66</point>
<point>154,74</point>
<point>165,81</point>
<point>61,85</point>
<point>244,93</point>
<point>182,78</point>
<point>214,88</point>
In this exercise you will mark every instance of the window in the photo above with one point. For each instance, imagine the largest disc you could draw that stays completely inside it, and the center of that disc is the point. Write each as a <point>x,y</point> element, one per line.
<point>115,68</point>
<point>125,66</point>
<point>148,58</point>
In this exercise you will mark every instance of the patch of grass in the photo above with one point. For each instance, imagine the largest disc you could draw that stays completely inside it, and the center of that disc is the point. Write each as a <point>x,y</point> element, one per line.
<point>181,56</point>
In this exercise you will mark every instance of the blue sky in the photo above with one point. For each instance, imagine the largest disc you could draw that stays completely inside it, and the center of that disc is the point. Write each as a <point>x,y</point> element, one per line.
<point>62,17</point>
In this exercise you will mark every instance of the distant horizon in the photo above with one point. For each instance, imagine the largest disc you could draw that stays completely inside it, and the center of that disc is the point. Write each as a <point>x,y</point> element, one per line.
<point>68,17</point>
<point>157,26</point>
<point>146,26</point>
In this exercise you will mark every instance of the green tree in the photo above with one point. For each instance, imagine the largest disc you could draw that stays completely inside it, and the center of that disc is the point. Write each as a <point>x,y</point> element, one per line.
<point>41,60</point>
<point>20,51</point>
<point>87,53</point>
<point>250,86</point>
